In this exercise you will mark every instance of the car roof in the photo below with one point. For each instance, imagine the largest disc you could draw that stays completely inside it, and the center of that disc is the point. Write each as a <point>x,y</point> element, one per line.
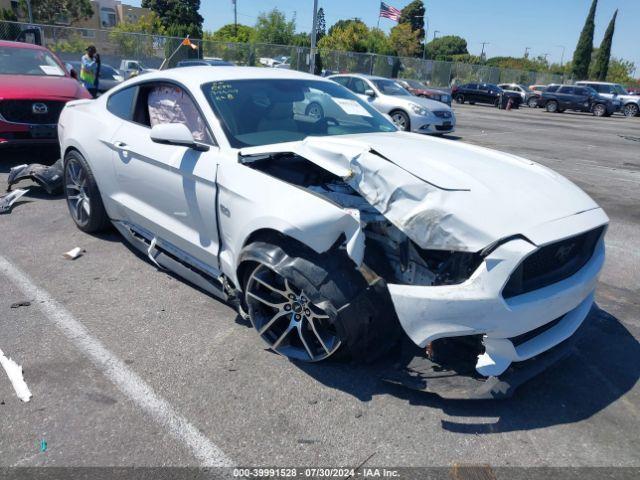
<point>195,76</point>
<point>31,46</point>
<point>596,83</point>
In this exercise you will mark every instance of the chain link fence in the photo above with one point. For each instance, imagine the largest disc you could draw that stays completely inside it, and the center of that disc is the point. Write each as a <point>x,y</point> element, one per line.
<point>150,50</point>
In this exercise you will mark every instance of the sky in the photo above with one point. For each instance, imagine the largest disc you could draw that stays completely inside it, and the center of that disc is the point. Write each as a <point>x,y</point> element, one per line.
<point>508,26</point>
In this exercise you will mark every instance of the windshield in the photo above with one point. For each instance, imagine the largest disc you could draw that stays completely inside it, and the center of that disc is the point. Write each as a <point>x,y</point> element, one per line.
<point>389,87</point>
<point>28,61</point>
<point>263,112</point>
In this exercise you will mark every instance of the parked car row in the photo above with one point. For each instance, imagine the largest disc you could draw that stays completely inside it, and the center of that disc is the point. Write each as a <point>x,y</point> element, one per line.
<point>487,93</point>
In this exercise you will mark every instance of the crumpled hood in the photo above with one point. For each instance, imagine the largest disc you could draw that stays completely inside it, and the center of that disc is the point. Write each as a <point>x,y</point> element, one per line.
<point>444,195</point>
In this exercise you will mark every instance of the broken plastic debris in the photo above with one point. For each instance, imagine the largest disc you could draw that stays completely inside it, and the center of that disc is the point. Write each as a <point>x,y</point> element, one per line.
<point>7,201</point>
<point>48,177</point>
<point>14,372</point>
<point>73,254</point>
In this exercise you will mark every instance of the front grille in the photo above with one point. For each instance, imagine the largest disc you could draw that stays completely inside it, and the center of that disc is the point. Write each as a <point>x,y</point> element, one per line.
<point>442,114</point>
<point>525,337</point>
<point>23,111</point>
<point>552,263</point>
<point>443,128</point>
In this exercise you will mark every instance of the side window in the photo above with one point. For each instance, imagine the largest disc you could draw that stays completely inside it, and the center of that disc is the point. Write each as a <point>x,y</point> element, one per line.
<point>161,103</point>
<point>582,91</point>
<point>567,90</point>
<point>344,81</point>
<point>358,86</point>
<point>121,103</point>
<point>551,88</point>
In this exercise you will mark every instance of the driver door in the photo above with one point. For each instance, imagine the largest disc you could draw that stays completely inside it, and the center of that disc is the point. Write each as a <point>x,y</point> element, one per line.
<point>168,190</point>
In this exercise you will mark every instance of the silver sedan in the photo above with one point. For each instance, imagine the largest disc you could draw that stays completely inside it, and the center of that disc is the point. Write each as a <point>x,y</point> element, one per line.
<point>408,112</point>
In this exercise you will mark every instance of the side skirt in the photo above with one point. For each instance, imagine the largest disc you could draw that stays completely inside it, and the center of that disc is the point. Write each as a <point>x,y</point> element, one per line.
<point>167,256</point>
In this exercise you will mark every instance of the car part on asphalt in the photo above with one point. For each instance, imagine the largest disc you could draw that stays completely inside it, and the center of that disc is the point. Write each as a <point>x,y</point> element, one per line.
<point>48,177</point>
<point>7,200</point>
<point>73,253</point>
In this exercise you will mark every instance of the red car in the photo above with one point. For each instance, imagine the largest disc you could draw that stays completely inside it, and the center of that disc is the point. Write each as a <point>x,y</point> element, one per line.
<point>420,90</point>
<point>34,87</point>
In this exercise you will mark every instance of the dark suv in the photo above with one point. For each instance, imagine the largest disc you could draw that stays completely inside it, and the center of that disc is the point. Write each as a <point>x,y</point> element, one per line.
<point>558,98</point>
<point>482,93</point>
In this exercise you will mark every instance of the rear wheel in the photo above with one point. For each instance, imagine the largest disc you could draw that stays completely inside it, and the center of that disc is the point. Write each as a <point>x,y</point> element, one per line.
<point>82,194</point>
<point>552,106</point>
<point>599,110</point>
<point>315,110</point>
<point>459,98</point>
<point>631,110</point>
<point>532,102</point>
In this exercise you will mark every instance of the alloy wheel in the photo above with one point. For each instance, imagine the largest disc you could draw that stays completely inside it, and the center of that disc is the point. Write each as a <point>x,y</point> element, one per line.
<point>599,110</point>
<point>314,110</point>
<point>630,110</point>
<point>287,320</point>
<point>77,191</point>
<point>400,120</point>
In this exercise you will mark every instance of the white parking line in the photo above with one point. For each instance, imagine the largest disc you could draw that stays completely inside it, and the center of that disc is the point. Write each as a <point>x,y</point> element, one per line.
<point>14,372</point>
<point>129,383</point>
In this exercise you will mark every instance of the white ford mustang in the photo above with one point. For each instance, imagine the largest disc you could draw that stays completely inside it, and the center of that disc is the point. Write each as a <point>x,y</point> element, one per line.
<point>333,233</point>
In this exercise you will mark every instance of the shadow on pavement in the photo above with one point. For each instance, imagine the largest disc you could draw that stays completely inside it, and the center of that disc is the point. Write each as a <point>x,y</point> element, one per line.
<point>604,366</point>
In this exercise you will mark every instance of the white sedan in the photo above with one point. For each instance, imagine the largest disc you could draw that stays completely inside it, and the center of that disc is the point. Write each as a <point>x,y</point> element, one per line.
<point>336,232</point>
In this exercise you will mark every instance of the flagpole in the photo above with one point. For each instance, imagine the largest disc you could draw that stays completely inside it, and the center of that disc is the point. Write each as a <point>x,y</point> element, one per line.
<point>167,60</point>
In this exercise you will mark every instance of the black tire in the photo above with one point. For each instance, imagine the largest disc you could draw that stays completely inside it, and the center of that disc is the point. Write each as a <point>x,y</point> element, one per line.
<point>84,203</point>
<point>552,106</point>
<point>459,98</point>
<point>496,103</point>
<point>358,316</point>
<point>599,110</point>
<point>401,119</point>
<point>314,107</point>
<point>631,110</point>
<point>532,102</point>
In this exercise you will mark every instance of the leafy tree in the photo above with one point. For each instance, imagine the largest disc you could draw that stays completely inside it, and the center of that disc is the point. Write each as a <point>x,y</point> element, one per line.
<point>273,27</point>
<point>582,54</point>
<point>341,24</point>
<point>604,54</point>
<point>301,40</point>
<point>179,17</point>
<point>413,14</point>
<point>7,15</point>
<point>443,48</point>
<point>621,71</point>
<point>124,35</point>
<point>321,25</point>
<point>229,33</point>
<point>350,35</point>
<point>378,42</point>
<point>48,11</point>
<point>73,43</point>
<point>404,40</point>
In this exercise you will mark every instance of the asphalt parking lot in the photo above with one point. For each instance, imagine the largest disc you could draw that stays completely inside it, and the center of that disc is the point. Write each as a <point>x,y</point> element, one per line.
<point>129,366</point>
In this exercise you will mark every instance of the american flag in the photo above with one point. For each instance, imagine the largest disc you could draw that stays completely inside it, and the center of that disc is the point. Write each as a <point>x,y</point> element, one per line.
<point>389,12</point>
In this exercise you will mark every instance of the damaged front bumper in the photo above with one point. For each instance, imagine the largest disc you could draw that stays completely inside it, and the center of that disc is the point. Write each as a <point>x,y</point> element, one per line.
<point>512,329</point>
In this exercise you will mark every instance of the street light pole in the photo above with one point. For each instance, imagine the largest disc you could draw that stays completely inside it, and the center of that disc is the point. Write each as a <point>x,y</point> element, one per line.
<point>29,11</point>
<point>235,18</point>
<point>314,34</point>
<point>562,57</point>
<point>526,52</point>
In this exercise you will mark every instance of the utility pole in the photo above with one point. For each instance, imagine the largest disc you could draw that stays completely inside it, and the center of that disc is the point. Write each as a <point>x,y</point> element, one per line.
<point>562,57</point>
<point>435,34</point>
<point>482,53</point>
<point>314,34</point>
<point>29,11</point>
<point>545,55</point>
<point>526,52</point>
<point>235,18</point>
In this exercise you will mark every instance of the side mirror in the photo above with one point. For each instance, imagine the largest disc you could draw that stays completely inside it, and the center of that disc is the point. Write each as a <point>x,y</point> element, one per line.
<point>176,134</point>
<point>369,93</point>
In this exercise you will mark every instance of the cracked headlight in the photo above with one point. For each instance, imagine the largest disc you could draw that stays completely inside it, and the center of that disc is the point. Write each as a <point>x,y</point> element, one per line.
<point>418,110</point>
